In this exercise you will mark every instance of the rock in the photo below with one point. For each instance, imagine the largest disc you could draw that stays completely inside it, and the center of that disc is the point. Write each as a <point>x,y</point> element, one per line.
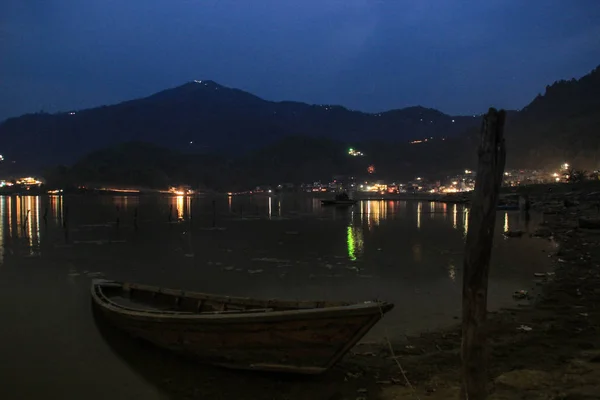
<point>525,379</point>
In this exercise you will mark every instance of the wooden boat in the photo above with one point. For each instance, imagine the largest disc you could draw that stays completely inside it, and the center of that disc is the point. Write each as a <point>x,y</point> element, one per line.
<point>589,223</point>
<point>348,202</point>
<point>305,337</point>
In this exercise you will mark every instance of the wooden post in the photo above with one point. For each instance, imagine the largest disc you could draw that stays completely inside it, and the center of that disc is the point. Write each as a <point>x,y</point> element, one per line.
<point>66,217</point>
<point>214,209</point>
<point>478,249</point>
<point>135,215</point>
<point>26,221</point>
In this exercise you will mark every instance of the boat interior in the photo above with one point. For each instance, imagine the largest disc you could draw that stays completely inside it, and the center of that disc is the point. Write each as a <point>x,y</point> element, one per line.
<point>153,299</point>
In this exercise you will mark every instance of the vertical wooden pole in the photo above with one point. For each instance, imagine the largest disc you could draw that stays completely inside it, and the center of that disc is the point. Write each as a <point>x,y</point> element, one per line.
<point>214,209</point>
<point>478,249</point>
<point>66,217</point>
<point>191,208</point>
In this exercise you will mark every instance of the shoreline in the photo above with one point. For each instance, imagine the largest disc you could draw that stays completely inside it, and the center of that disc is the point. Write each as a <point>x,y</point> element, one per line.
<point>546,349</point>
<point>543,350</point>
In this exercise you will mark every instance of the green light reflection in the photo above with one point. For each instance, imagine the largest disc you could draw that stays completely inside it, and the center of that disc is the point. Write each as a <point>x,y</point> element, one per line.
<point>354,239</point>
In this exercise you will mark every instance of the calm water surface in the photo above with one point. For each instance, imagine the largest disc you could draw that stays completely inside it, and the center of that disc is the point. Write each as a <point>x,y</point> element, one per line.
<point>409,253</point>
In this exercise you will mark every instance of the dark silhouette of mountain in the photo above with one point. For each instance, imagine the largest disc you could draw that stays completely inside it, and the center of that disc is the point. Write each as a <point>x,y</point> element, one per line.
<point>295,159</point>
<point>203,116</point>
<point>562,125</point>
<point>294,142</point>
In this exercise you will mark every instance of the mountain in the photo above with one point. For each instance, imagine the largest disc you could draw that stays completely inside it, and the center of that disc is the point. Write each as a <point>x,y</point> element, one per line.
<point>202,117</point>
<point>294,159</point>
<point>561,125</point>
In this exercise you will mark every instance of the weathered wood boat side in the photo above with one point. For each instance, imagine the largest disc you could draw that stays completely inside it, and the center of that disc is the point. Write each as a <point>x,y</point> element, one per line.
<point>301,337</point>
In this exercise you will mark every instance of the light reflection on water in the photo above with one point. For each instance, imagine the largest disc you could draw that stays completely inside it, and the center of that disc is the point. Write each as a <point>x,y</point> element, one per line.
<point>20,220</point>
<point>3,212</point>
<point>21,215</point>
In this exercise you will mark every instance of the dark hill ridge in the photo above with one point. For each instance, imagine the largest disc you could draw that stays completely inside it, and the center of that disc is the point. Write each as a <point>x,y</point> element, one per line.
<point>203,116</point>
<point>562,125</point>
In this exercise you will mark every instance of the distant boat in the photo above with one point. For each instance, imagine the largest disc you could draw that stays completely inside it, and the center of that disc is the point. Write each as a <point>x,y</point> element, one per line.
<point>306,337</point>
<point>507,207</point>
<point>348,202</point>
<point>340,200</point>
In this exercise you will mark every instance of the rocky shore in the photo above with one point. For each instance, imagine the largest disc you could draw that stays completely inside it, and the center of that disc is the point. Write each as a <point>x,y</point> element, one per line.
<point>546,348</point>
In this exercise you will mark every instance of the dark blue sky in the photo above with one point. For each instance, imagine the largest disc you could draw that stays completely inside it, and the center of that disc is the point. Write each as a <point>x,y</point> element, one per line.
<point>458,56</point>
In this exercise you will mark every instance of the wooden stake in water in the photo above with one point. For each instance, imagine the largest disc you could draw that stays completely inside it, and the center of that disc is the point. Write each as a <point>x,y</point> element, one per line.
<point>191,208</point>
<point>118,221</point>
<point>24,227</point>
<point>135,215</point>
<point>45,215</point>
<point>170,212</point>
<point>214,208</point>
<point>66,217</point>
<point>478,249</point>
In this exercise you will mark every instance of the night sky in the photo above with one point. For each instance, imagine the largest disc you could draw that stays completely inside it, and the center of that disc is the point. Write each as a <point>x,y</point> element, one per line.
<point>457,56</point>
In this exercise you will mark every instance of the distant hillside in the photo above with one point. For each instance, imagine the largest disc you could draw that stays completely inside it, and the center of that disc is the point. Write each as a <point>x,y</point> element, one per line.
<point>562,125</point>
<point>294,159</point>
<point>254,141</point>
<point>203,116</point>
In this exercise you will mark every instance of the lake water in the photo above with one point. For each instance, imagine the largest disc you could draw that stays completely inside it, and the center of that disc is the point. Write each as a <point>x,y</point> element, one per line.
<point>408,253</point>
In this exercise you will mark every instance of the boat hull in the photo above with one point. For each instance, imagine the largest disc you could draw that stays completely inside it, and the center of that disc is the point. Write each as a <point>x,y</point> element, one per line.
<point>299,342</point>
